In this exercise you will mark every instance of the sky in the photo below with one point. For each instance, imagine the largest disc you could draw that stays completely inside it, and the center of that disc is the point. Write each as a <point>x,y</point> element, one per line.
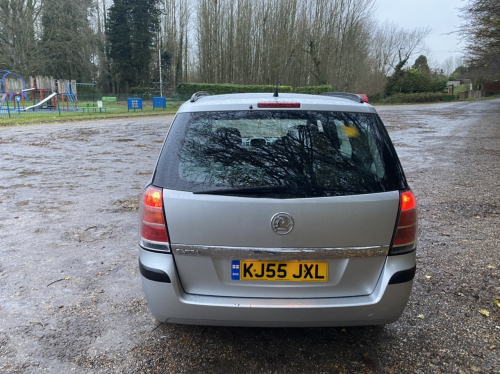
<point>442,16</point>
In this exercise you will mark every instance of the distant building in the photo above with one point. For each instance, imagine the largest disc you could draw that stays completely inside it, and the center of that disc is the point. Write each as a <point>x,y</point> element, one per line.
<point>451,86</point>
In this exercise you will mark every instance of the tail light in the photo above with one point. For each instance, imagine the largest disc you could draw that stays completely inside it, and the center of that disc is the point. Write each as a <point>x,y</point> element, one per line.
<point>405,238</point>
<point>153,228</point>
<point>364,98</point>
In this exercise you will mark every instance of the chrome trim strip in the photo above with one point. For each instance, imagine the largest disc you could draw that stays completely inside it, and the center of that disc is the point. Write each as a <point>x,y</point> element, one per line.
<point>278,253</point>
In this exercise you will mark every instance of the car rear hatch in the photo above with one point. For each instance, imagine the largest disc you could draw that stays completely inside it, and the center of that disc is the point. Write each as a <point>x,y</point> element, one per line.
<point>209,233</point>
<point>252,198</point>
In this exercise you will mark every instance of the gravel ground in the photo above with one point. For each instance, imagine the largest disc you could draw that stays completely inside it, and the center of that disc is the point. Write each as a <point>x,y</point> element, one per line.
<point>70,293</point>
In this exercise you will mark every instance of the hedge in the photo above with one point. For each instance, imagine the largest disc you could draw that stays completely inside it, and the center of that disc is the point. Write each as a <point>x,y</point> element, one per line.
<point>314,90</point>
<point>140,90</point>
<point>87,90</point>
<point>448,97</point>
<point>491,93</point>
<point>423,97</point>
<point>218,89</point>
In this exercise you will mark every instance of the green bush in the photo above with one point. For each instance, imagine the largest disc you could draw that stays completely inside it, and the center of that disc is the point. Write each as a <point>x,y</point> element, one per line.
<point>461,88</point>
<point>314,90</point>
<point>140,90</point>
<point>145,93</point>
<point>219,89</point>
<point>88,93</point>
<point>87,90</point>
<point>413,81</point>
<point>422,97</point>
<point>491,93</point>
<point>448,97</point>
<point>376,98</point>
<point>82,96</point>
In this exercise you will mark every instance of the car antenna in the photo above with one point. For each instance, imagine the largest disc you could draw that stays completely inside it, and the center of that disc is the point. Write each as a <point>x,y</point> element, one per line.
<point>283,72</point>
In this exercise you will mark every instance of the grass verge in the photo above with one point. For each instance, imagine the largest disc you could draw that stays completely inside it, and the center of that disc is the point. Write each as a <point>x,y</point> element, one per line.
<point>115,110</point>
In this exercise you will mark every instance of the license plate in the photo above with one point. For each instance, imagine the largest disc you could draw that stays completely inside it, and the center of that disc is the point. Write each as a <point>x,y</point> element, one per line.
<point>290,271</point>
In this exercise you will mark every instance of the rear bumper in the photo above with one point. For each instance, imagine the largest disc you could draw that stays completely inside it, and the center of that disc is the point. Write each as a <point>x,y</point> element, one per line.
<point>169,303</point>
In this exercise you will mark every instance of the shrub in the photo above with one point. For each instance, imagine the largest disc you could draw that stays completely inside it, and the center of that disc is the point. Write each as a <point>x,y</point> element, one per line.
<point>140,90</point>
<point>218,89</point>
<point>491,93</point>
<point>146,93</point>
<point>376,98</point>
<point>87,90</point>
<point>422,97</point>
<point>314,90</point>
<point>413,81</point>
<point>448,97</point>
<point>461,88</point>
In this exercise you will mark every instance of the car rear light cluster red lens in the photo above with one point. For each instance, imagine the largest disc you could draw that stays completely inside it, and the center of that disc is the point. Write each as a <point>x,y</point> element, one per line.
<point>152,222</point>
<point>406,232</point>
<point>275,104</point>
<point>364,98</point>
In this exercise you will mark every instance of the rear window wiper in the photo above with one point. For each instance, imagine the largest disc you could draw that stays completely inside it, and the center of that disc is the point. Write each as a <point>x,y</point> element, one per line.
<point>244,190</point>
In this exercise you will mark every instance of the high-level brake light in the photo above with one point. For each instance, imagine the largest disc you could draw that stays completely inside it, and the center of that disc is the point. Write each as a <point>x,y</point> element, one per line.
<point>276,104</point>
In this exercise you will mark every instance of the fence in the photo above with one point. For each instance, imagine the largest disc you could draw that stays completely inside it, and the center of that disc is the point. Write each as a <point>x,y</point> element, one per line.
<point>174,100</point>
<point>471,95</point>
<point>87,104</point>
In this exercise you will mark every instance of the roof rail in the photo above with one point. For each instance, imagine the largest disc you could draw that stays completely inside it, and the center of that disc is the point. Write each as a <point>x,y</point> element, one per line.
<point>345,95</point>
<point>198,95</point>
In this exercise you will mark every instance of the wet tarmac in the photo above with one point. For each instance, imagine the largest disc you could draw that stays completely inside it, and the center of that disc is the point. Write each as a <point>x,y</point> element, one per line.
<point>70,292</point>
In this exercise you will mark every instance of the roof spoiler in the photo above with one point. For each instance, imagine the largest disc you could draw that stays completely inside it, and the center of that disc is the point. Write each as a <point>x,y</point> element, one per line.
<point>198,95</point>
<point>344,95</point>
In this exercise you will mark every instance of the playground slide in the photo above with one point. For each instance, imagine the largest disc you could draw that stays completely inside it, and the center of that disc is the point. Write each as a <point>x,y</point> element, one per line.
<point>42,102</point>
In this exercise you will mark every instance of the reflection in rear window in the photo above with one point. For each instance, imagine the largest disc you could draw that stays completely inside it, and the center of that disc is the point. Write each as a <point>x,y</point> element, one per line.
<point>311,154</point>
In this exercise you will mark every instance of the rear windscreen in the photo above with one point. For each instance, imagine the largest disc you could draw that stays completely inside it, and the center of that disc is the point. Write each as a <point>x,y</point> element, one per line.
<point>306,153</point>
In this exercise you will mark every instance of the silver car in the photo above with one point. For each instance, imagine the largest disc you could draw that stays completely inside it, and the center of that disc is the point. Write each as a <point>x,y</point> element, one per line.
<point>277,211</point>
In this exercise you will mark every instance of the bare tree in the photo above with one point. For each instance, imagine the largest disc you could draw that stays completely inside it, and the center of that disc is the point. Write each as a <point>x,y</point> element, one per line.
<point>174,39</point>
<point>67,40</point>
<point>337,42</point>
<point>450,64</point>
<point>391,46</point>
<point>481,30</point>
<point>250,41</point>
<point>19,20</point>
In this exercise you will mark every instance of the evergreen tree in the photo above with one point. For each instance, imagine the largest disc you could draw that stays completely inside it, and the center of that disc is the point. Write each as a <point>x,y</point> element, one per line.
<point>416,79</point>
<point>131,30</point>
<point>144,25</point>
<point>459,73</point>
<point>391,86</point>
<point>422,65</point>
<point>120,48</point>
